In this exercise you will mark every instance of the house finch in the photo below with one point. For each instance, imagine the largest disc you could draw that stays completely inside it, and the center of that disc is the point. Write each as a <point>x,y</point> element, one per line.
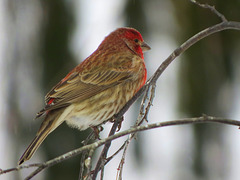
<point>97,88</point>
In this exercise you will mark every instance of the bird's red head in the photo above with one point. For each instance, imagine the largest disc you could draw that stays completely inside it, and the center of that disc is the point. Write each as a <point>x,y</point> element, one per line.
<point>132,39</point>
<point>131,34</point>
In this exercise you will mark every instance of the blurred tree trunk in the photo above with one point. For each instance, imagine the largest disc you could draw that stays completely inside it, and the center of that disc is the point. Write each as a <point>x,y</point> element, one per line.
<point>38,57</point>
<point>22,70</point>
<point>58,61</point>
<point>205,80</point>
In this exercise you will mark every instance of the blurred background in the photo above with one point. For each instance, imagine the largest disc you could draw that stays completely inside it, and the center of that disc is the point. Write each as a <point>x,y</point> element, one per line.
<point>40,41</point>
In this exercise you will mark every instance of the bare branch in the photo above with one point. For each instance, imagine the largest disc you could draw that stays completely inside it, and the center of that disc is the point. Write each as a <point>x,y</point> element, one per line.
<point>19,168</point>
<point>190,42</point>
<point>142,116</point>
<point>112,156</point>
<point>71,154</point>
<point>212,8</point>
<point>84,155</point>
<point>120,166</point>
<point>102,157</point>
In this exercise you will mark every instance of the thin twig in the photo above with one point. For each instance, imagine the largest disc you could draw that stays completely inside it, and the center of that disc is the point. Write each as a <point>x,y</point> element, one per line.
<point>191,41</point>
<point>82,163</point>
<point>102,174</point>
<point>120,166</point>
<point>145,97</point>
<point>212,8</point>
<point>19,168</point>
<point>102,157</point>
<point>112,156</point>
<point>142,116</point>
<point>89,165</point>
<point>149,104</point>
<point>83,158</point>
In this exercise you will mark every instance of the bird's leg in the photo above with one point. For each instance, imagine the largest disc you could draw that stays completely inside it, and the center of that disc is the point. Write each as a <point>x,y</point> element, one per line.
<point>112,120</point>
<point>97,130</point>
<point>120,123</point>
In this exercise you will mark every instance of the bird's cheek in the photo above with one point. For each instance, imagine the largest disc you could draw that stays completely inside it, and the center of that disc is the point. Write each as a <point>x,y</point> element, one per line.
<point>138,51</point>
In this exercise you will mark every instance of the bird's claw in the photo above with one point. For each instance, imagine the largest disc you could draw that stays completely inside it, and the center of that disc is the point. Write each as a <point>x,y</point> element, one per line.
<point>97,130</point>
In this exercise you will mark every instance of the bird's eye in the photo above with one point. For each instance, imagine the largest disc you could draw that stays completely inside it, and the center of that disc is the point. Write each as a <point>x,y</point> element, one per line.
<point>136,40</point>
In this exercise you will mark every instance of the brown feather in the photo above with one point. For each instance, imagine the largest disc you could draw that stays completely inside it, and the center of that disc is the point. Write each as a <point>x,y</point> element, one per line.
<point>83,85</point>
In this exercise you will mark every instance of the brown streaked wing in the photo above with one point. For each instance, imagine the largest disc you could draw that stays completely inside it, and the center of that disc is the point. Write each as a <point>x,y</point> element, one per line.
<point>81,87</point>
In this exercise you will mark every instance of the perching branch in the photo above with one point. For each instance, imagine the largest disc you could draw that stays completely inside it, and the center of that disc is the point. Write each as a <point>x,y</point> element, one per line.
<point>71,154</point>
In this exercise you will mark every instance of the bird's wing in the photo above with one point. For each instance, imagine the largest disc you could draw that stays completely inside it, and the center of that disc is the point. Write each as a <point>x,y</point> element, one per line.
<point>78,86</point>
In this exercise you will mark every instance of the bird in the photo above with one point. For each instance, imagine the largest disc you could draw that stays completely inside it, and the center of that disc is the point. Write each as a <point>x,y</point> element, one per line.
<point>97,88</point>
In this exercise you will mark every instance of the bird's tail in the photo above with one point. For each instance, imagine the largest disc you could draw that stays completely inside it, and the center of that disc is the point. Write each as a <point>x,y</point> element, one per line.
<point>48,125</point>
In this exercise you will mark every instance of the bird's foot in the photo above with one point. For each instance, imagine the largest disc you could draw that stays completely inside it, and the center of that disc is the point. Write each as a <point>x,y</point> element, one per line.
<point>97,130</point>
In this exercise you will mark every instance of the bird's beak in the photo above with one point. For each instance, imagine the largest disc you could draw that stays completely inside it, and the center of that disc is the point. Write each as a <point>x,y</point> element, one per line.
<point>145,47</point>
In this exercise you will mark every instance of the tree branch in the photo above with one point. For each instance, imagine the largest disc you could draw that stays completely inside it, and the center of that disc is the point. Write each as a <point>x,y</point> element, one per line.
<point>101,161</point>
<point>71,154</point>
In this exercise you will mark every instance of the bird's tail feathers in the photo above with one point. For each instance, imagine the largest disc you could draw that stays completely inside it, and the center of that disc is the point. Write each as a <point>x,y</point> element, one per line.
<point>47,126</point>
